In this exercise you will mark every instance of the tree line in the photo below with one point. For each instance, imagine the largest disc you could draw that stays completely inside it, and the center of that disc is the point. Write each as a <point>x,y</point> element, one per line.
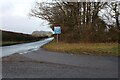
<point>82,21</point>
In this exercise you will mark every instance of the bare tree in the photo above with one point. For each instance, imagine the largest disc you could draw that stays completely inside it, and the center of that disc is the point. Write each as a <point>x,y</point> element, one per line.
<point>79,20</point>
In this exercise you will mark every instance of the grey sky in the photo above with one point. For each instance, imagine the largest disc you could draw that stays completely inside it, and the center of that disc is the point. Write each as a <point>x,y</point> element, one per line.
<point>14,17</point>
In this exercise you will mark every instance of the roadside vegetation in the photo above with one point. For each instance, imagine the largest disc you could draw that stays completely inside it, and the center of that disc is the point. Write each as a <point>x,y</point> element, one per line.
<point>9,43</point>
<point>103,49</point>
<point>81,21</point>
<point>87,27</point>
<point>10,38</point>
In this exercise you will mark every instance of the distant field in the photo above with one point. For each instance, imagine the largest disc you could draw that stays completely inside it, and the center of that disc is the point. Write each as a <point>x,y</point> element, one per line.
<point>106,49</point>
<point>10,38</point>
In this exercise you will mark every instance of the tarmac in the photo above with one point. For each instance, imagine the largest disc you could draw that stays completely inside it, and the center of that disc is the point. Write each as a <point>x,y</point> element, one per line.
<point>45,64</point>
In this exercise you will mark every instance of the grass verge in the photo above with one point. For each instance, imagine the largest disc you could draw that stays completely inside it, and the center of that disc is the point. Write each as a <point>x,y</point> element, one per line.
<point>103,49</point>
<point>9,43</point>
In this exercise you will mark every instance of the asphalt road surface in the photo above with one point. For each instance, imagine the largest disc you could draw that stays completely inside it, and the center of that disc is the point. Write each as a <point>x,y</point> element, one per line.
<point>45,64</point>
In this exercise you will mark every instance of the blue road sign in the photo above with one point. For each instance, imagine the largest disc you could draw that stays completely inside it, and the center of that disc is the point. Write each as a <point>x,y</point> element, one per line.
<point>57,30</point>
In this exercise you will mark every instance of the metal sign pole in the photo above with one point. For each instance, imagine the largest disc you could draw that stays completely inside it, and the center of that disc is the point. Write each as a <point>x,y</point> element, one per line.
<point>57,31</point>
<point>57,38</point>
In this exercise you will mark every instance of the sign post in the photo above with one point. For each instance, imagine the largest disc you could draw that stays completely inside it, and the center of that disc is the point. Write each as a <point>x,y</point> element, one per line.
<point>57,31</point>
<point>57,38</point>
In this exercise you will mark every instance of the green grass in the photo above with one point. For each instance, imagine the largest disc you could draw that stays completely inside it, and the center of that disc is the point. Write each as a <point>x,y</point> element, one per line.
<point>105,49</point>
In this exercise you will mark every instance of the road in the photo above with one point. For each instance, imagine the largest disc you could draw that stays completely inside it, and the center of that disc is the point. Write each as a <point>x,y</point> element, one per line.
<point>45,64</point>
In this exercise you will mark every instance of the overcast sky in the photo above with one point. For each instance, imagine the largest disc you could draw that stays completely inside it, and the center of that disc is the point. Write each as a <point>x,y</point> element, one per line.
<point>14,17</point>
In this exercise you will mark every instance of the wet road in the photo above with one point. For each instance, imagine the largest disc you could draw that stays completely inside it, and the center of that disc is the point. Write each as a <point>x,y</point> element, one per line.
<point>24,47</point>
<point>45,64</point>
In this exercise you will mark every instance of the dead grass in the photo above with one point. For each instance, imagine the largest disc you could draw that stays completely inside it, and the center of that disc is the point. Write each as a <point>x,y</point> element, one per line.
<point>107,49</point>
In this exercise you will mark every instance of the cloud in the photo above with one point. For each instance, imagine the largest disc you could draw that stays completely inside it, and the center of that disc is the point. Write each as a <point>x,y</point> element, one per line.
<point>15,7</point>
<point>14,14</point>
<point>24,25</point>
